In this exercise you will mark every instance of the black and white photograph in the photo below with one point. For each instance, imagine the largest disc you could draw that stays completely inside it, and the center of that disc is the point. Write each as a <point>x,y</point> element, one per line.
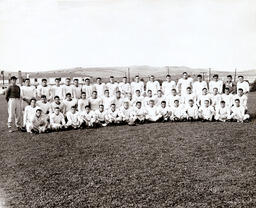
<point>128,103</point>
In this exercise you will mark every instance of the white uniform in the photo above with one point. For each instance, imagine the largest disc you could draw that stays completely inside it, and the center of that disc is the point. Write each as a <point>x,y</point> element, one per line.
<point>202,98</point>
<point>81,104</point>
<point>112,88</point>
<point>152,113</point>
<point>139,113</point>
<point>67,89</point>
<point>136,99</point>
<point>213,84</point>
<point>137,86</point>
<point>27,92</point>
<point>100,116</point>
<point>167,87</point>
<point>147,99</point>
<point>113,116</point>
<point>77,91</point>
<point>164,112</point>
<point>46,107</point>
<point>243,85</point>
<point>69,104</point>
<point>184,84</point>
<point>222,114</point>
<point>57,121</point>
<point>125,88</point>
<point>60,105</point>
<point>73,119</point>
<point>170,100</point>
<point>88,117</point>
<point>192,111</point>
<point>206,113</point>
<point>119,102</point>
<point>38,123</point>
<point>198,87</point>
<point>216,100</point>
<point>57,91</point>
<point>44,91</point>
<point>153,86</point>
<point>94,103</point>
<point>186,97</point>
<point>100,88</point>
<point>125,114</point>
<point>228,99</point>
<point>238,113</point>
<point>178,112</point>
<point>243,100</point>
<point>28,116</point>
<point>158,100</point>
<point>107,101</point>
<point>88,89</point>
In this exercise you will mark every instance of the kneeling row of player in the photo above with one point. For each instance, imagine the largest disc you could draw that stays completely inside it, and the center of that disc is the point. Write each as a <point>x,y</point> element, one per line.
<point>125,115</point>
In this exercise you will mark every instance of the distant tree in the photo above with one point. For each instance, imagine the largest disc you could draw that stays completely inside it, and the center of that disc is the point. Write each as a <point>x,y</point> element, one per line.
<point>253,86</point>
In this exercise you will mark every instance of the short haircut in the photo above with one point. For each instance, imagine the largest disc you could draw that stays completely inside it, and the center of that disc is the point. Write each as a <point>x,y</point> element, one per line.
<point>56,107</point>
<point>226,88</point>
<point>191,100</point>
<point>199,75</point>
<point>118,91</point>
<point>87,106</point>
<point>68,94</point>
<point>98,78</point>
<point>27,79</point>
<point>229,76</point>
<point>32,99</point>
<point>222,101</point>
<point>73,106</point>
<point>184,73</point>
<point>149,90</point>
<point>44,80</point>
<point>241,76</point>
<point>188,88</point>
<point>56,97</point>
<point>39,110</point>
<point>111,77</point>
<point>137,91</point>
<point>168,75</point>
<point>237,100</point>
<point>215,88</point>
<point>68,78</point>
<point>43,96</point>
<point>94,91</point>
<point>106,90</point>
<point>101,105</point>
<point>240,89</point>
<point>86,79</point>
<point>176,100</point>
<point>163,102</point>
<point>152,76</point>
<point>13,78</point>
<point>75,80</point>
<point>57,79</point>
<point>215,75</point>
<point>159,91</point>
<point>137,76</point>
<point>138,102</point>
<point>113,104</point>
<point>124,77</point>
<point>174,90</point>
<point>204,88</point>
<point>83,93</point>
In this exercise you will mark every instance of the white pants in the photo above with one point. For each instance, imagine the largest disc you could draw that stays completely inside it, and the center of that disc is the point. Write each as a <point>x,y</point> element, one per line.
<point>14,111</point>
<point>153,118</point>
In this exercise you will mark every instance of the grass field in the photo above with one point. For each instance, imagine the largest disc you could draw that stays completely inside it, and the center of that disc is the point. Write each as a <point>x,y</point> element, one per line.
<point>152,165</point>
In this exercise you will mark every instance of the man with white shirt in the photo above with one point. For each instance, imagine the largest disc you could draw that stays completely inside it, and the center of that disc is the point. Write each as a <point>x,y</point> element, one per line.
<point>137,85</point>
<point>138,113</point>
<point>216,83</point>
<point>227,97</point>
<point>101,116</point>
<point>118,100</point>
<point>199,85</point>
<point>171,98</point>
<point>27,92</point>
<point>242,84</point>
<point>230,84</point>
<point>77,89</point>
<point>222,112</point>
<point>112,115</point>
<point>57,89</point>
<point>112,86</point>
<point>94,101</point>
<point>242,97</point>
<point>81,103</point>
<point>87,88</point>
<point>44,89</point>
<point>57,120</point>
<point>69,102</point>
<point>29,114</point>
<point>184,83</point>
<point>191,110</point>
<point>67,88</point>
<point>137,97</point>
<point>73,118</point>
<point>215,98</point>
<point>152,85</point>
<point>168,85</point>
<point>188,96</point>
<point>164,111</point>
<point>205,96</point>
<point>57,103</point>
<point>107,100</point>
<point>100,87</point>
<point>238,112</point>
<point>125,113</point>
<point>159,98</point>
<point>39,123</point>
<point>178,112</point>
<point>149,97</point>
<point>44,105</point>
<point>87,117</point>
<point>152,112</point>
<point>206,111</point>
<point>124,87</point>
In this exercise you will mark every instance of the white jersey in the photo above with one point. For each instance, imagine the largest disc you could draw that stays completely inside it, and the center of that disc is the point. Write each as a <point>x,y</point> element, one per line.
<point>29,114</point>
<point>69,103</point>
<point>207,112</point>
<point>186,97</point>
<point>167,87</point>
<point>100,88</point>
<point>81,104</point>
<point>94,103</point>
<point>243,100</point>
<point>243,85</point>
<point>57,119</point>
<point>216,100</point>
<point>222,112</point>
<point>77,91</point>
<point>107,101</point>
<point>153,86</point>
<point>46,107</point>
<point>88,89</point>
<point>152,111</point>
<point>163,111</point>
<point>112,115</point>
<point>44,91</point>
<point>139,112</point>
<point>57,91</point>
<point>137,86</point>
<point>203,98</point>
<point>61,106</point>
<point>87,116</point>
<point>73,118</point>
<point>192,111</point>
<point>119,102</point>
<point>147,99</point>
<point>112,88</point>
<point>184,84</point>
<point>238,112</point>
<point>158,100</point>
<point>28,92</point>
<point>136,99</point>
<point>198,87</point>
<point>124,113</point>
<point>170,100</point>
<point>100,116</point>
<point>179,111</point>
<point>67,89</point>
<point>125,88</point>
<point>228,99</point>
<point>213,84</point>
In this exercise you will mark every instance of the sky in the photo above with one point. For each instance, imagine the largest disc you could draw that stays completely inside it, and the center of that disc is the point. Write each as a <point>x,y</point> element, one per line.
<point>40,35</point>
